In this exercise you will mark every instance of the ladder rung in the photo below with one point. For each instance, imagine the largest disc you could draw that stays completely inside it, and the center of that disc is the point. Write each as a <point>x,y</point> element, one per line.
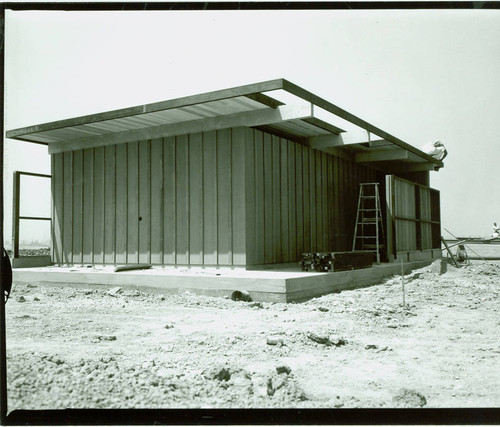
<point>368,210</point>
<point>368,197</point>
<point>373,246</point>
<point>366,237</point>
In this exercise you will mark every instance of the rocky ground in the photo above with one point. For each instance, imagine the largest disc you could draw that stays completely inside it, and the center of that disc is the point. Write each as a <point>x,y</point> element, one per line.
<point>96,348</point>
<point>31,252</point>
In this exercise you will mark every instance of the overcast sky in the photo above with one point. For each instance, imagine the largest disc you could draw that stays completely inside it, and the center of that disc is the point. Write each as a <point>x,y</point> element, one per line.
<point>420,75</point>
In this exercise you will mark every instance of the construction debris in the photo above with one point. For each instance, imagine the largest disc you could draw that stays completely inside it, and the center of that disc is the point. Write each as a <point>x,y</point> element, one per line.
<point>241,296</point>
<point>132,267</point>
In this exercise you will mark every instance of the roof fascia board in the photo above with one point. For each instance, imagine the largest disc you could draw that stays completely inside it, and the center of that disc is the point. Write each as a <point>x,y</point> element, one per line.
<point>320,102</point>
<point>382,155</point>
<point>247,118</point>
<point>245,90</point>
<point>20,138</point>
<point>404,167</point>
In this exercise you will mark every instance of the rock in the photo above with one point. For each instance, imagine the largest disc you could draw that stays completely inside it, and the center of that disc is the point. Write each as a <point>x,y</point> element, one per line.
<point>21,299</point>
<point>114,291</point>
<point>413,276</point>
<point>256,305</point>
<point>317,338</point>
<point>241,296</point>
<point>324,309</point>
<point>36,299</point>
<point>223,375</point>
<point>106,337</point>
<point>336,341</point>
<point>371,347</point>
<point>283,369</point>
<point>169,326</point>
<point>132,293</point>
<point>270,389</point>
<point>274,340</point>
<point>409,399</point>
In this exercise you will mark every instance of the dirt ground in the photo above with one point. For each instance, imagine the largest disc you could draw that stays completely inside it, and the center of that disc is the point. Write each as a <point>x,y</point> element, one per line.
<point>96,348</point>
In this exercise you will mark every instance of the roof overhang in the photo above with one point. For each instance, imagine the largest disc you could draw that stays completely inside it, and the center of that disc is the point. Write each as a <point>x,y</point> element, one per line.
<point>276,106</point>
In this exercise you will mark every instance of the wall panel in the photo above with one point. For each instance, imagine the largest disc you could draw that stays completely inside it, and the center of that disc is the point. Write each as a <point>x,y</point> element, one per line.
<point>67,231</point>
<point>169,201</point>
<point>238,196</point>
<point>144,217</point>
<point>299,202</point>
<point>210,198</point>
<point>57,208</point>
<point>182,199</point>
<point>77,206</point>
<point>109,204</point>
<point>224,195</point>
<point>196,199</point>
<point>284,200</point>
<point>268,200</point>
<point>414,210</point>
<point>88,205</point>
<point>121,194</point>
<point>250,199</point>
<point>230,197</point>
<point>276,205</point>
<point>132,202</point>
<point>157,211</point>
<point>261,239</point>
<point>302,197</point>
<point>292,194</point>
<point>98,240</point>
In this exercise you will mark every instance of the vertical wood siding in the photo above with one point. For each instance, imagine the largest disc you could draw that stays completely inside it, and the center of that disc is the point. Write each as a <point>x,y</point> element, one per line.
<point>178,200</point>
<point>303,200</point>
<point>229,197</point>
<point>415,211</point>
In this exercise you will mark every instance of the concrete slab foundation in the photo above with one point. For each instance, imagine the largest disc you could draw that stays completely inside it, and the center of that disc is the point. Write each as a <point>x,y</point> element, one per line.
<point>31,261</point>
<point>284,285</point>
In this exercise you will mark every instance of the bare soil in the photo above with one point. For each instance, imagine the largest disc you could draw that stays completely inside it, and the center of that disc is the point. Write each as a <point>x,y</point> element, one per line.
<point>96,348</point>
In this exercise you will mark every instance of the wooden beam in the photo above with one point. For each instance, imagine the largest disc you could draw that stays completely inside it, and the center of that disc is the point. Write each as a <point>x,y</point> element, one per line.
<point>324,125</point>
<point>381,155</point>
<point>248,118</point>
<point>379,143</point>
<point>345,138</point>
<point>149,108</point>
<point>396,167</point>
<point>322,103</point>
<point>264,99</point>
<point>408,167</point>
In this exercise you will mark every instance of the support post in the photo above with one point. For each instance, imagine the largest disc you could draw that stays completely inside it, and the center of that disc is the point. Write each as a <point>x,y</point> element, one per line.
<point>15,214</point>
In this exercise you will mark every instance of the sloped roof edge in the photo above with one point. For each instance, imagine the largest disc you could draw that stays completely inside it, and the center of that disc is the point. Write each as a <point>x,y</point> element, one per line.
<point>251,94</point>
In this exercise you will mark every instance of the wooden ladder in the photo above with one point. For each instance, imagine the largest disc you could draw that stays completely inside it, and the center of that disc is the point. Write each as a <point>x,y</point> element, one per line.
<point>369,230</point>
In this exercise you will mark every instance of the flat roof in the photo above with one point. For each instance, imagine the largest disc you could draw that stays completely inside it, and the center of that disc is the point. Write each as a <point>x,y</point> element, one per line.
<point>275,106</point>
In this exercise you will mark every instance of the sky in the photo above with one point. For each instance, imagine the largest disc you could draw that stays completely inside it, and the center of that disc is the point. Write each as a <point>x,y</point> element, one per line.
<point>421,75</point>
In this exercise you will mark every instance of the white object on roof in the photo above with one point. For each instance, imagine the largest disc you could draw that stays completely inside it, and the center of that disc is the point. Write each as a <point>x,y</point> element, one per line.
<point>435,149</point>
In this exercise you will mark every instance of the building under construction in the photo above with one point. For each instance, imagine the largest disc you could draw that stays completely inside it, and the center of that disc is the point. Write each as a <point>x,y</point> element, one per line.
<point>253,176</point>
